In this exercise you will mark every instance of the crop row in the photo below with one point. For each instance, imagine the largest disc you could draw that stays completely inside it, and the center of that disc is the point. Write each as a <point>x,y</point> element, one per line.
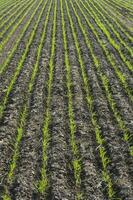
<point>5,64</point>
<point>111,40</point>
<point>72,125</point>
<point>77,14</point>
<point>5,7</point>
<point>112,20</point>
<point>103,77</point>
<point>105,82</point>
<point>126,4</point>
<point>20,64</point>
<point>42,184</point>
<point>89,97</point>
<point>105,28</point>
<point>26,106</point>
<point>5,40</point>
<point>9,14</point>
<point>112,9</point>
<point>109,57</point>
<point>18,14</point>
<point>120,6</point>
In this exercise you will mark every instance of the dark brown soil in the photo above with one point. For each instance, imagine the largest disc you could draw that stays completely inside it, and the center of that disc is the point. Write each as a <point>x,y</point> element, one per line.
<point>60,170</point>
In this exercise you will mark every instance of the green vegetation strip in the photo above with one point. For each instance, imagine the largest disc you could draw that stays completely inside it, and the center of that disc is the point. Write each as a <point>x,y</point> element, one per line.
<point>121,6</point>
<point>127,4</point>
<point>26,106</point>
<point>112,9</point>
<point>127,135</point>
<point>6,7</point>
<point>5,40</point>
<point>108,24</point>
<point>90,103</point>
<point>114,20</point>
<point>43,182</point>
<point>7,20</point>
<point>4,16</point>
<point>21,61</point>
<point>3,3</point>
<point>5,64</point>
<point>110,39</point>
<point>76,156</point>
<point>108,56</point>
<point>117,6</point>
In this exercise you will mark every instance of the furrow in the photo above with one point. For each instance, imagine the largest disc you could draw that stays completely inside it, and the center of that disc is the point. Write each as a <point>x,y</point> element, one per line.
<point>19,91</point>
<point>11,47</point>
<point>120,160</point>
<point>6,9</point>
<point>43,182</point>
<point>125,4</point>
<point>95,12</point>
<point>76,159</point>
<point>59,151</point>
<point>12,32</point>
<point>99,138</point>
<point>18,95</point>
<point>113,20</point>
<point>91,175</point>
<point>30,148</point>
<point>119,17</point>
<point>4,4</point>
<point>9,22</point>
<point>120,166</point>
<point>105,82</point>
<point>66,100</point>
<point>116,46</point>
<point>26,105</point>
<point>11,14</point>
<point>20,64</point>
<point>121,8</point>
<point>110,59</point>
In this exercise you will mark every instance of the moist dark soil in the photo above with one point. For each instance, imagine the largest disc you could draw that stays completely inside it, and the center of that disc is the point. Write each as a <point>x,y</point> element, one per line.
<point>60,171</point>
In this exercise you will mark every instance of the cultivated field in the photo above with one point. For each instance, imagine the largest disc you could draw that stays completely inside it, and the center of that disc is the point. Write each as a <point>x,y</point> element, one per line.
<point>66,100</point>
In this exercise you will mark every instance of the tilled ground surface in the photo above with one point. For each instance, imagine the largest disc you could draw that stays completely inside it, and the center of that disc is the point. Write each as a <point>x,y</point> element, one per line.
<point>66,94</point>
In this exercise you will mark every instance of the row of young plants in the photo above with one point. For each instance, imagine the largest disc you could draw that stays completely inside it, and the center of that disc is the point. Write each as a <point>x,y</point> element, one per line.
<point>127,136</point>
<point>106,175</point>
<point>112,9</point>
<point>127,4</point>
<point>6,6</point>
<point>120,5</point>
<point>9,13</point>
<point>5,16</point>
<point>108,56</point>
<point>3,4</point>
<point>116,46</point>
<point>76,162</point>
<point>114,20</point>
<point>9,22</point>
<point>19,67</point>
<point>104,19</point>
<point>26,106</point>
<point>43,182</point>
<point>5,64</point>
<point>7,38</point>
